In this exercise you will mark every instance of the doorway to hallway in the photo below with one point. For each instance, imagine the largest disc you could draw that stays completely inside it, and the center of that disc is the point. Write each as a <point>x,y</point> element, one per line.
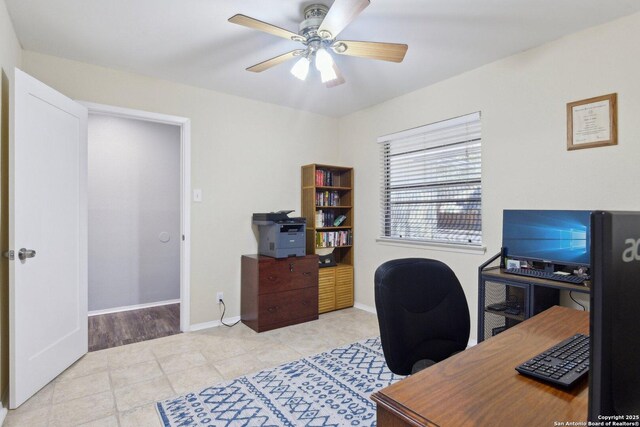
<point>138,204</point>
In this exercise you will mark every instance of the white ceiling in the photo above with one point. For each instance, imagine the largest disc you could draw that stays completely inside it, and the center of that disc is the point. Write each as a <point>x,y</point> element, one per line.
<point>190,41</point>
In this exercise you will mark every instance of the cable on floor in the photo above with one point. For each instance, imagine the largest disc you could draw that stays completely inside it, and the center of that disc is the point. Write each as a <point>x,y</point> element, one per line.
<point>224,309</point>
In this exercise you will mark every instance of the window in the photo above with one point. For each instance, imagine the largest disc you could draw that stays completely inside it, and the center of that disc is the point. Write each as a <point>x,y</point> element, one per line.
<point>431,183</point>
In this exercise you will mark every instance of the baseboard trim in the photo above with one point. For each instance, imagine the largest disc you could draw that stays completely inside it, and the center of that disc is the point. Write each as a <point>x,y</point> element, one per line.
<point>132,307</point>
<point>365,308</point>
<point>213,324</point>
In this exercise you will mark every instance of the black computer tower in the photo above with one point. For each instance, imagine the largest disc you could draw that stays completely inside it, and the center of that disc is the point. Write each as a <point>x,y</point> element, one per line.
<point>614,373</point>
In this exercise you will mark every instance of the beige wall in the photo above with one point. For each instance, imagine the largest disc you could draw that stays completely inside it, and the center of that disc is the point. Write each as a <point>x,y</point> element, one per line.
<point>10,53</point>
<point>246,157</point>
<point>525,161</point>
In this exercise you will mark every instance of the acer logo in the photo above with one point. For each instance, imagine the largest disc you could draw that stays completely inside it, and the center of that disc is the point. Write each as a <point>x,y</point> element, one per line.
<point>632,251</point>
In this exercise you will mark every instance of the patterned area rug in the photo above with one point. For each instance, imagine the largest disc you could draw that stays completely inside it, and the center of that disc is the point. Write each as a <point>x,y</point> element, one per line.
<point>328,389</point>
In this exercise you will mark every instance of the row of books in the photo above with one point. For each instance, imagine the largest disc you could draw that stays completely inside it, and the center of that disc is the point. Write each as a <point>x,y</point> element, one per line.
<point>325,219</point>
<point>324,178</point>
<point>330,239</point>
<point>327,198</point>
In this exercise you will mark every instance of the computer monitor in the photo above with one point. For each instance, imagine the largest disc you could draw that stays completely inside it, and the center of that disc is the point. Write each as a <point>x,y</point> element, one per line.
<point>614,372</point>
<point>548,237</point>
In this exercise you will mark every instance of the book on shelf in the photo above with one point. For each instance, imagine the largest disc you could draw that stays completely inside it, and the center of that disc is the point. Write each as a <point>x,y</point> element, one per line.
<point>329,219</point>
<point>325,218</point>
<point>324,178</point>
<point>339,220</point>
<point>327,198</point>
<point>331,239</point>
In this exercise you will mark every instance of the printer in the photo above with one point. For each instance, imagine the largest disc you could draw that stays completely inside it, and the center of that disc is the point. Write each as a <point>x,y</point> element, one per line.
<point>280,236</point>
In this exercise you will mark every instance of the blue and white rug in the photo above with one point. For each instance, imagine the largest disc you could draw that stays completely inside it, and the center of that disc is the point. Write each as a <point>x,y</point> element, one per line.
<point>328,389</point>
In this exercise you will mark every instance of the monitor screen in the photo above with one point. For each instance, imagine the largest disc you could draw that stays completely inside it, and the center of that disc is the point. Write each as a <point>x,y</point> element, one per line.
<point>552,236</point>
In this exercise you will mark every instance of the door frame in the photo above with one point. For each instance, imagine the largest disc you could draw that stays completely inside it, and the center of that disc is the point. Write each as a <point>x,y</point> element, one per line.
<point>185,191</point>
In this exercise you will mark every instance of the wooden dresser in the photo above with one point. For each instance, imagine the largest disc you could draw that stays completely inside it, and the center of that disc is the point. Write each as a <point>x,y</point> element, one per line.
<point>278,292</point>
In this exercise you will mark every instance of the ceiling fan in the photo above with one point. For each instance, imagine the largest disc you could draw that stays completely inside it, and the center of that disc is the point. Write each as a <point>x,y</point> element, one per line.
<point>318,32</point>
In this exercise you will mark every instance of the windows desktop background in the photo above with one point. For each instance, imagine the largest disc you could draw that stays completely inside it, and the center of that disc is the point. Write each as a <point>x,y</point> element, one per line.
<point>562,237</point>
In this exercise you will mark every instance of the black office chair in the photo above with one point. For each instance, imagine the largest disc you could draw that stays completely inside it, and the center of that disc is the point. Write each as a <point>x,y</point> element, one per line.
<point>422,313</point>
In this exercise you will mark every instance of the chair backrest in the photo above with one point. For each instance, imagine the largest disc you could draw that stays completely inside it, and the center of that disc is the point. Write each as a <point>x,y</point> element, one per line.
<point>422,312</point>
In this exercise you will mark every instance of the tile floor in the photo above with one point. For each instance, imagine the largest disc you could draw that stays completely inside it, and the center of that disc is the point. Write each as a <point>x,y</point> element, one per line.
<point>119,386</point>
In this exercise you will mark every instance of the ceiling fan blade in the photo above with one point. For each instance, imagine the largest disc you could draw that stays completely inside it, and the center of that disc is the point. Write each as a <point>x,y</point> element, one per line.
<point>393,52</point>
<point>262,26</point>
<point>340,15</point>
<point>265,65</point>
<point>338,80</point>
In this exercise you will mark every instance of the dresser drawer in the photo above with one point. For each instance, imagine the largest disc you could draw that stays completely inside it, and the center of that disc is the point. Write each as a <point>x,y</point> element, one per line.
<point>287,274</point>
<point>278,292</point>
<point>286,306</point>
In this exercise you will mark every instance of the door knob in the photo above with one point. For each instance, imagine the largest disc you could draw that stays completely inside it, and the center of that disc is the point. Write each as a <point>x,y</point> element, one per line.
<point>26,253</point>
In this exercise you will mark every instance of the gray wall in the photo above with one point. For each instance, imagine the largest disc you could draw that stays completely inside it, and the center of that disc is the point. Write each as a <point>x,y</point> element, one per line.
<point>134,200</point>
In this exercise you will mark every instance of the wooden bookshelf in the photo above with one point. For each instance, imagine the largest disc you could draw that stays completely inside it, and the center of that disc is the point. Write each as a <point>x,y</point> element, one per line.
<point>327,193</point>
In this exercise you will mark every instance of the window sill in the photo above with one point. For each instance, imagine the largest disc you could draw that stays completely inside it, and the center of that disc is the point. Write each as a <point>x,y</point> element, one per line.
<point>445,247</point>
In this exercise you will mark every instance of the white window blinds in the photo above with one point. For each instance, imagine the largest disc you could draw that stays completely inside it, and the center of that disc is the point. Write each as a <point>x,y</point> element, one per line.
<point>432,183</point>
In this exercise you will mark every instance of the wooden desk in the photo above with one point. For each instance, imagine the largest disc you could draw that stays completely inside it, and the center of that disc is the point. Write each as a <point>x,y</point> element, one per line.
<point>480,386</point>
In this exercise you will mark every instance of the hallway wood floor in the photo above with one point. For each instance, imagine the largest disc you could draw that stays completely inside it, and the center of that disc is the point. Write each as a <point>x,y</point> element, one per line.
<point>127,327</point>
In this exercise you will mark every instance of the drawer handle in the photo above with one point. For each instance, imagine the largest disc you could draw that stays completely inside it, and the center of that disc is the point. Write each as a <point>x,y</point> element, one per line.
<point>307,273</point>
<point>272,278</point>
<point>290,266</point>
<point>272,309</point>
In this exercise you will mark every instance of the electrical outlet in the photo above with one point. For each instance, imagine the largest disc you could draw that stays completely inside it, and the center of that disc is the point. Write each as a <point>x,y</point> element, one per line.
<point>219,297</point>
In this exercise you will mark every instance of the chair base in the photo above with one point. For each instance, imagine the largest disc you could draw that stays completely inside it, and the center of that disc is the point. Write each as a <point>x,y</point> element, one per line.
<point>421,364</point>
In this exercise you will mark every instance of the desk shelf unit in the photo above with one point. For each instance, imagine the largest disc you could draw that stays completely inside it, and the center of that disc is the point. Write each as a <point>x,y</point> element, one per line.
<point>528,295</point>
<point>327,193</point>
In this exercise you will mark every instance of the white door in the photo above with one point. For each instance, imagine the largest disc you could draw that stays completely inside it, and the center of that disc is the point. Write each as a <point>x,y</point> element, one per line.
<point>48,215</point>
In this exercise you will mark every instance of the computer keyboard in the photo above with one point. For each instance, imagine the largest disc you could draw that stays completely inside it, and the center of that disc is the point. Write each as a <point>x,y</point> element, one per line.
<point>564,364</point>
<point>568,278</point>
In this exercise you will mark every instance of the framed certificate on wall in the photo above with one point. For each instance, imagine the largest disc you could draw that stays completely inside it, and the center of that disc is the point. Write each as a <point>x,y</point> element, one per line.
<point>592,122</point>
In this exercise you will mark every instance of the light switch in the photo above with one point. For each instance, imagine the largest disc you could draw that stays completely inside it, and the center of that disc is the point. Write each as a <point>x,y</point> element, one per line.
<point>197,195</point>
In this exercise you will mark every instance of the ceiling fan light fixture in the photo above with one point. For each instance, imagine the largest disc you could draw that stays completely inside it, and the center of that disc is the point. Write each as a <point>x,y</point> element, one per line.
<point>324,64</point>
<point>324,61</point>
<point>320,27</point>
<point>301,68</point>
<point>328,75</point>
